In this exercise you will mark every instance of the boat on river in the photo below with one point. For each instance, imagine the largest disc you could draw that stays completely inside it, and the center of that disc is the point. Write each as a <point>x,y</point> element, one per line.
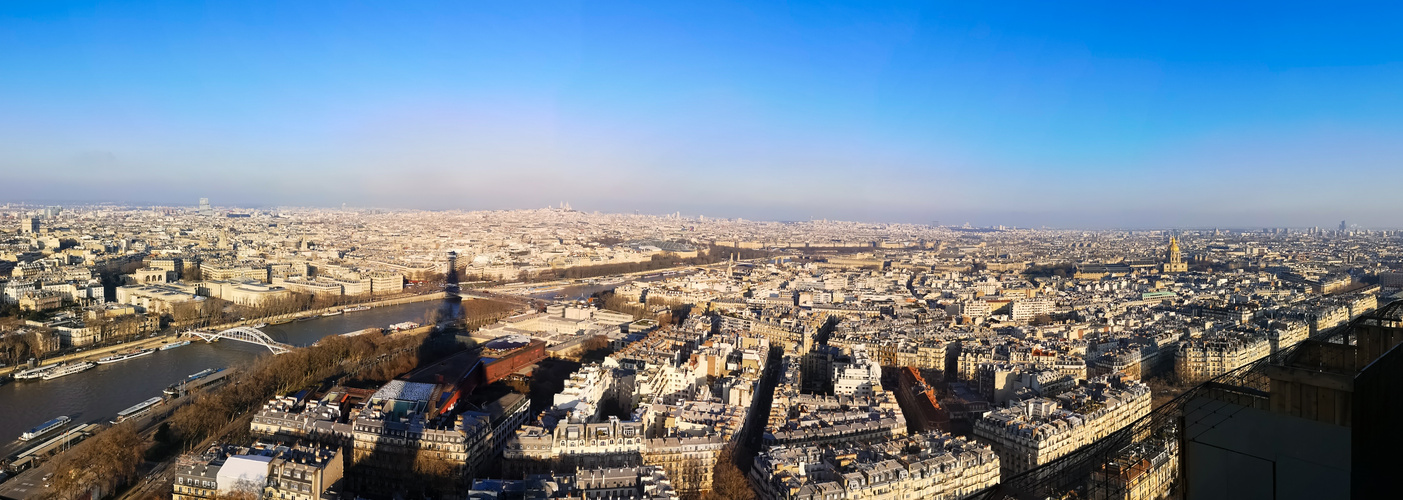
<point>45,428</point>
<point>137,409</point>
<point>124,356</point>
<point>66,370</point>
<point>34,373</point>
<point>178,389</point>
<point>201,374</point>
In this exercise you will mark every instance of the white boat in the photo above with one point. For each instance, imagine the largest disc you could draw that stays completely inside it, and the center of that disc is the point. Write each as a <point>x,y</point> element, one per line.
<point>178,389</point>
<point>45,428</point>
<point>66,370</point>
<point>201,374</point>
<point>356,309</point>
<point>34,373</point>
<point>332,313</point>
<point>174,345</point>
<point>260,325</point>
<point>123,357</point>
<point>137,409</point>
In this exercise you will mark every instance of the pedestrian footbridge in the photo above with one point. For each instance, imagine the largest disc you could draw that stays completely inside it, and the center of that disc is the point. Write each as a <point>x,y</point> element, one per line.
<point>246,334</point>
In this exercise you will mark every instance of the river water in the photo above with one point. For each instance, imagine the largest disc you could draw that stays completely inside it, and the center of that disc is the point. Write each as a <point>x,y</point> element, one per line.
<point>98,394</point>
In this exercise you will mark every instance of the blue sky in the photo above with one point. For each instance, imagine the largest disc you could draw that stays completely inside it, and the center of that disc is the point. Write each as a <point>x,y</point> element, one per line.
<point>1087,114</point>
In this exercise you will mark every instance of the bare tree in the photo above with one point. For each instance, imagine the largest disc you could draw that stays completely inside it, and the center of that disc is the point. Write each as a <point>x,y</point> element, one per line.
<point>104,462</point>
<point>438,476</point>
<point>40,342</point>
<point>728,482</point>
<point>191,272</point>
<point>362,358</point>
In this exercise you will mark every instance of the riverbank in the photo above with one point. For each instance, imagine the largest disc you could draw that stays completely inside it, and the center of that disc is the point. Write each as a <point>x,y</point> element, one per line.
<point>412,331</point>
<point>98,352</point>
<point>98,394</point>
<point>311,313</point>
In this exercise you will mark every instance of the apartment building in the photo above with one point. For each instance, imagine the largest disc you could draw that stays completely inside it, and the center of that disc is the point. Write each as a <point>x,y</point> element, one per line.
<point>1038,430</point>
<point>399,423</point>
<point>1207,357</point>
<point>931,465</point>
<point>860,377</point>
<point>267,470</point>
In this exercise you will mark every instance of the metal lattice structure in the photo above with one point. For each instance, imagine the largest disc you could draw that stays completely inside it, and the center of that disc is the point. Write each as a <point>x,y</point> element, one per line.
<point>245,334</point>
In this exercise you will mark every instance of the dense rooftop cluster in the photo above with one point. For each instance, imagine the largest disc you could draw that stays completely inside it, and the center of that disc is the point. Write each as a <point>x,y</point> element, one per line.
<point>865,359</point>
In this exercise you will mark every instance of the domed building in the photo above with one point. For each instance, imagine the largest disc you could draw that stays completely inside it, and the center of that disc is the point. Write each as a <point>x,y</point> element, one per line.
<point>1174,260</point>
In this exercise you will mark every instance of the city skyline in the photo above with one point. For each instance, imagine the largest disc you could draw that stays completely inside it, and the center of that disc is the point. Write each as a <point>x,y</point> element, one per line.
<point>324,349</point>
<point>727,250</point>
<point>1343,225</point>
<point>1088,115</point>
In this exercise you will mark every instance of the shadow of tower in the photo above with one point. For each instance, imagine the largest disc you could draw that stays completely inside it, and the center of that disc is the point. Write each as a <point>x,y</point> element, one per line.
<point>451,311</point>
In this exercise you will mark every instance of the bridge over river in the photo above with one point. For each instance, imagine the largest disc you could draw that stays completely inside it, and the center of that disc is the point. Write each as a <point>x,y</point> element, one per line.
<point>246,334</point>
<point>98,394</point>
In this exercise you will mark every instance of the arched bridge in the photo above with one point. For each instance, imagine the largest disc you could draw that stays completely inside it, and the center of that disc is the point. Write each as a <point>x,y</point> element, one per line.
<point>246,334</point>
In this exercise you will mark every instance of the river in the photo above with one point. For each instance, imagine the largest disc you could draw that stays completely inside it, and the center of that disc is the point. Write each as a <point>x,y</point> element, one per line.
<point>98,394</point>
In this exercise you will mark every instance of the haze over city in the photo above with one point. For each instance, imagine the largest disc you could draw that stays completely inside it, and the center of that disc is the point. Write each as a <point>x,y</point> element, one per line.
<point>1068,115</point>
<point>722,250</point>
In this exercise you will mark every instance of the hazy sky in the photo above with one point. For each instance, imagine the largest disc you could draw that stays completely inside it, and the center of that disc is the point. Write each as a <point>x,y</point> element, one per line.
<point>1057,113</point>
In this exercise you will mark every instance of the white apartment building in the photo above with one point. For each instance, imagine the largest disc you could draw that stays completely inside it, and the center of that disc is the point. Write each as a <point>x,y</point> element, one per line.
<point>1039,430</point>
<point>944,468</point>
<point>245,293</point>
<point>1286,334</point>
<point>156,298</point>
<point>582,393</point>
<point>1203,358</point>
<point>1027,309</point>
<point>862,377</point>
<point>233,271</point>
